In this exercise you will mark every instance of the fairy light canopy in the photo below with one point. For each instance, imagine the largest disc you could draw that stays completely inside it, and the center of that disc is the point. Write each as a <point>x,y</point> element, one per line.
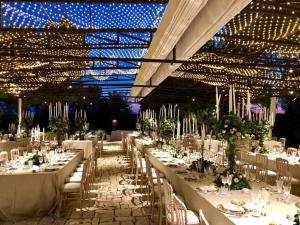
<point>40,42</point>
<point>258,50</point>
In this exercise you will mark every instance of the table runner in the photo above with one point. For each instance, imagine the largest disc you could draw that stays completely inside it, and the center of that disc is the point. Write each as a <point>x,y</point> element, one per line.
<point>34,194</point>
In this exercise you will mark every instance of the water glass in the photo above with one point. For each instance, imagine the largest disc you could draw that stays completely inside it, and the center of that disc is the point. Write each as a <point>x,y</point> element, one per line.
<point>287,190</point>
<point>279,185</point>
<point>229,180</point>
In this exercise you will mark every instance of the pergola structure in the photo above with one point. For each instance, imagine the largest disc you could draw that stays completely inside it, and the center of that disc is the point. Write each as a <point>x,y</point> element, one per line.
<point>258,50</point>
<point>49,44</point>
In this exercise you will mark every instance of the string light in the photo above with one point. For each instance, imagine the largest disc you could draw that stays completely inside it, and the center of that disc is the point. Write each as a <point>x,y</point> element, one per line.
<point>257,51</point>
<point>46,44</point>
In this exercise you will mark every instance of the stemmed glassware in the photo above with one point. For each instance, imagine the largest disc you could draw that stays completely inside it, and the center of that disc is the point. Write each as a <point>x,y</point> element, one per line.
<point>287,188</point>
<point>224,182</point>
<point>279,186</point>
<point>229,180</point>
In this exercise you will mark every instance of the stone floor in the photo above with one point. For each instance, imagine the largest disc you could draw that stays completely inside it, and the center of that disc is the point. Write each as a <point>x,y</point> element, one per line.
<point>114,199</point>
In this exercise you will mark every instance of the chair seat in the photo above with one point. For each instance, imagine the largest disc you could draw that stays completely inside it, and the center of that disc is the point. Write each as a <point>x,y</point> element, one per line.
<point>71,187</point>
<point>77,174</point>
<point>74,179</point>
<point>192,218</point>
<point>79,169</point>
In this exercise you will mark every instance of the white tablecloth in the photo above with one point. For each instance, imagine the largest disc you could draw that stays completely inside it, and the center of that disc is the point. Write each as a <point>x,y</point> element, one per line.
<point>195,200</point>
<point>33,194</point>
<point>85,145</point>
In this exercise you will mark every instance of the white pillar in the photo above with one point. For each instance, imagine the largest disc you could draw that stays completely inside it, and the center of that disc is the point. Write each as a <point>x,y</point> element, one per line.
<point>19,116</point>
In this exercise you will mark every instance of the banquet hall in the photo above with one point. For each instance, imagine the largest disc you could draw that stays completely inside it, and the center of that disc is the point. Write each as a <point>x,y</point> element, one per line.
<point>149,112</point>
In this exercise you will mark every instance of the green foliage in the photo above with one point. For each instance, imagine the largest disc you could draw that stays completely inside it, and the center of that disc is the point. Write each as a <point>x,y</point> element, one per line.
<point>100,133</point>
<point>27,123</point>
<point>58,125</point>
<point>166,128</point>
<point>231,126</point>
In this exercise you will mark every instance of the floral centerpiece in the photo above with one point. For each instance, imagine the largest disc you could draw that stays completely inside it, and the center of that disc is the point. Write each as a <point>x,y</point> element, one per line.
<point>261,131</point>
<point>239,181</point>
<point>167,127</point>
<point>232,128</point>
<point>37,159</point>
<point>59,126</point>
<point>79,126</point>
<point>147,125</point>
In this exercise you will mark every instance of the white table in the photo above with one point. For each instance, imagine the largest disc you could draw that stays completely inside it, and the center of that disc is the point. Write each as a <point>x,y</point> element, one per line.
<point>208,202</point>
<point>85,145</point>
<point>26,194</point>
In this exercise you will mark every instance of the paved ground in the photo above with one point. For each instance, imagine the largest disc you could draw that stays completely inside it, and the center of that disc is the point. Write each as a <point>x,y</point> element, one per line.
<point>114,199</point>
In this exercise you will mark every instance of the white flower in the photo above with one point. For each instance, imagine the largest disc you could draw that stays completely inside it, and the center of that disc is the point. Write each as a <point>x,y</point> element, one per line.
<point>223,131</point>
<point>225,125</point>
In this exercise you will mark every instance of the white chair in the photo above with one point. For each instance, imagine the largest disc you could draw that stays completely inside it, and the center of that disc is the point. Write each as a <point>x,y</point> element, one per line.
<point>14,154</point>
<point>3,157</point>
<point>262,171</point>
<point>183,216</point>
<point>202,218</point>
<point>291,151</point>
<point>75,190</point>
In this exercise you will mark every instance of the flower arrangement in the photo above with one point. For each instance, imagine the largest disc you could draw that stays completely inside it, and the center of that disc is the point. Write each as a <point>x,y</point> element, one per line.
<point>147,124</point>
<point>231,130</point>
<point>79,127</point>
<point>238,182</point>
<point>35,158</point>
<point>167,127</point>
<point>59,126</point>
<point>259,130</point>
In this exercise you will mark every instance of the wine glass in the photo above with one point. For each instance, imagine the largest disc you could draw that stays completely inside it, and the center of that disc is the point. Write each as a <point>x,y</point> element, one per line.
<point>224,182</point>
<point>287,188</point>
<point>229,180</point>
<point>279,185</point>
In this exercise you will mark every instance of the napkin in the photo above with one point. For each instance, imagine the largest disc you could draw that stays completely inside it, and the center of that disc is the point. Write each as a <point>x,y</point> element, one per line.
<point>207,188</point>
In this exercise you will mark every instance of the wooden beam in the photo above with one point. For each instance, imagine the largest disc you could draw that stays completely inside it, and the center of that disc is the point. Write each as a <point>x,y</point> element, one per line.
<point>77,30</point>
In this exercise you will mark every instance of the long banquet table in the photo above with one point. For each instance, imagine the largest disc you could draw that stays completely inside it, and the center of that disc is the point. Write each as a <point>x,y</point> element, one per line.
<point>195,199</point>
<point>85,145</point>
<point>24,195</point>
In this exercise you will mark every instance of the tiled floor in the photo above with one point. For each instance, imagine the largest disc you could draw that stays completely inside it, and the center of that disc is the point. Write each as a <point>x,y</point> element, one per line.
<point>114,200</point>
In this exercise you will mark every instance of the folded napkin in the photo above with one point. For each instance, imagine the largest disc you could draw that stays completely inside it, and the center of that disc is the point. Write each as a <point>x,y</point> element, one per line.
<point>207,188</point>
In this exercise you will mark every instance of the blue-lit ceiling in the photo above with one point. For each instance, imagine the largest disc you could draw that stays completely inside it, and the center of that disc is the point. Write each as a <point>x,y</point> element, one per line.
<point>95,16</point>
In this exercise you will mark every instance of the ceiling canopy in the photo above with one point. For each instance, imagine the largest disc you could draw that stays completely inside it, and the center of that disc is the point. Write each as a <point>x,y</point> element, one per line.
<point>46,43</point>
<point>258,50</point>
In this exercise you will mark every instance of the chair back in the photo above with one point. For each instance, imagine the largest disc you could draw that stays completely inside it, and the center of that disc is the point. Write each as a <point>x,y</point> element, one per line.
<point>180,211</point>
<point>282,140</point>
<point>14,153</point>
<point>3,157</point>
<point>149,173</point>
<point>261,167</point>
<point>168,195</point>
<point>202,218</point>
<point>282,167</point>
<point>291,151</point>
